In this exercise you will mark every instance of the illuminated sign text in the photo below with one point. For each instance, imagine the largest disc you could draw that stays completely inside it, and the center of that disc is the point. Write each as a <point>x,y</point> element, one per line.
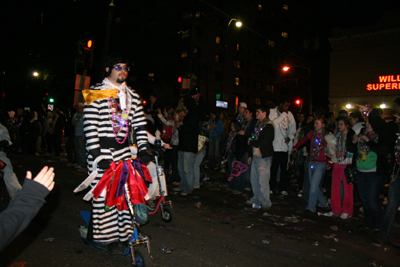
<point>389,82</point>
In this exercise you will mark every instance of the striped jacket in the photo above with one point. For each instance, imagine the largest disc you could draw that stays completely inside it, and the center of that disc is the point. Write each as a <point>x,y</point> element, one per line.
<point>98,125</point>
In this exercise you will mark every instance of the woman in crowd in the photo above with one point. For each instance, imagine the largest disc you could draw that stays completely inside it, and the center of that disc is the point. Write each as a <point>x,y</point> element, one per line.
<point>317,162</point>
<point>373,146</point>
<point>173,141</point>
<point>235,150</point>
<point>344,152</point>
<point>168,122</point>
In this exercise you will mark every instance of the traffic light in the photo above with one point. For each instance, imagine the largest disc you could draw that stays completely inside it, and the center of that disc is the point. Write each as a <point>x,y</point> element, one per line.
<point>84,55</point>
<point>51,100</point>
<point>179,79</point>
<point>87,54</point>
<point>299,104</point>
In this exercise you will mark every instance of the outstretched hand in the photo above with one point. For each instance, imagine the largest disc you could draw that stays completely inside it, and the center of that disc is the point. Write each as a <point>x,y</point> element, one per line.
<point>45,177</point>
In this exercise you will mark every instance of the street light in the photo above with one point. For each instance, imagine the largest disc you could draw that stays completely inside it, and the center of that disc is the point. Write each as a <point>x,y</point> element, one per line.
<point>287,68</point>
<point>238,24</point>
<point>35,74</point>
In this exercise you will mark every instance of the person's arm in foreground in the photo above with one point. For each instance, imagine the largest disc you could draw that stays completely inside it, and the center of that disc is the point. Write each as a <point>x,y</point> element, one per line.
<point>25,205</point>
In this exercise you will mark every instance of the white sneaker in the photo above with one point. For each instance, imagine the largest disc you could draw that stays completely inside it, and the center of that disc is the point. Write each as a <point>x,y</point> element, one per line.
<point>345,216</point>
<point>284,193</point>
<point>327,214</point>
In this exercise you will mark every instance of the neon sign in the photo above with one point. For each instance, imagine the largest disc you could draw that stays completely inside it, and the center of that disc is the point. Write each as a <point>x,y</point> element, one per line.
<point>389,82</point>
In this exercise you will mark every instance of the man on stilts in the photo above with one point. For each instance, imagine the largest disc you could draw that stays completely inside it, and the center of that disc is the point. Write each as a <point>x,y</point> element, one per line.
<point>112,111</point>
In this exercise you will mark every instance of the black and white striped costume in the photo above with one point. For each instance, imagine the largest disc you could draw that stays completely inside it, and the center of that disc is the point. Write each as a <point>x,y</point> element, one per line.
<point>111,225</point>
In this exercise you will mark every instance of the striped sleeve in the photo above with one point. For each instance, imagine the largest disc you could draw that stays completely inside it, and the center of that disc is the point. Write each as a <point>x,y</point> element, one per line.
<point>138,122</point>
<point>91,122</point>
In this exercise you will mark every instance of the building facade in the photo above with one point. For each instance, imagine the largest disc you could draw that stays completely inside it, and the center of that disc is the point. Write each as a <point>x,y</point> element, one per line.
<point>364,65</point>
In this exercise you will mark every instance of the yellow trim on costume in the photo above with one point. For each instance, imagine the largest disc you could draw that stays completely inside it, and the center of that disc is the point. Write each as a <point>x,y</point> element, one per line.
<point>93,95</point>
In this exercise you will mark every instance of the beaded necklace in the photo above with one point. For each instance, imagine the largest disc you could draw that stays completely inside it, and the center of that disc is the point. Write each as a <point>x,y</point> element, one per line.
<point>342,139</point>
<point>363,149</point>
<point>260,125</point>
<point>231,136</point>
<point>119,119</point>
<point>394,175</point>
<point>316,146</point>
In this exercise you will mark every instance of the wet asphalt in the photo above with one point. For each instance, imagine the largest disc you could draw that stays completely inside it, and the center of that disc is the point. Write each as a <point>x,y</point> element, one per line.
<point>211,227</point>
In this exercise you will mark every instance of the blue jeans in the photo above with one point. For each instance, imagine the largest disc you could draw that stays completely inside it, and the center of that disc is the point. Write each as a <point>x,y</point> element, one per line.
<point>316,170</point>
<point>247,183</point>
<point>197,161</point>
<point>231,158</point>
<point>259,177</point>
<point>214,151</point>
<point>239,183</point>
<point>369,186</point>
<point>186,171</point>
<point>391,210</point>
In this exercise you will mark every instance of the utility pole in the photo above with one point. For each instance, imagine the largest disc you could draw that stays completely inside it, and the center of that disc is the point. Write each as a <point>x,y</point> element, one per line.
<point>107,40</point>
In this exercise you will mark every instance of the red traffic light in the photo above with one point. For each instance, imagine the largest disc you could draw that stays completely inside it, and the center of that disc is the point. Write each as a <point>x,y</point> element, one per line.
<point>179,79</point>
<point>297,102</point>
<point>89,44</point>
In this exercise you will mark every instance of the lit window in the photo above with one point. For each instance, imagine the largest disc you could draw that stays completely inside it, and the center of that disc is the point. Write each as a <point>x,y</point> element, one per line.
<point>217,39</point>
<point>237,81</point>
<point>236,63</point>
<point>186,15</point>
<point>185,34</point>
<point>270,88</point>
<point>151,75</point>
<point>259,6</point>
<point>286,7</point>
<point>284,34</point>
<point>238,47</point>
<point>198,14</point>
<point>271,43</point>
<point>184,54</point>
<point>258,101</point>
<point>216,58</point>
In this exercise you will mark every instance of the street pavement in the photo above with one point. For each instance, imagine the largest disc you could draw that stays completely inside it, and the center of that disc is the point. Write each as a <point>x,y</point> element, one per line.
<point>212,227</point>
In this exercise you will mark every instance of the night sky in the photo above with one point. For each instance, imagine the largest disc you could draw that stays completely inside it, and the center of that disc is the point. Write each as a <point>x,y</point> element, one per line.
<point>41,35</point>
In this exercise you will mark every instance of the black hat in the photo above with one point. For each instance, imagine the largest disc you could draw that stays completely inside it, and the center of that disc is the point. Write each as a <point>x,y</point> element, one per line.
<point>114,59</point>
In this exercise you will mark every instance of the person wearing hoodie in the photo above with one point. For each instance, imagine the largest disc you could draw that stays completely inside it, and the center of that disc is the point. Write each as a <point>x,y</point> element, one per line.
<point>373,147</point>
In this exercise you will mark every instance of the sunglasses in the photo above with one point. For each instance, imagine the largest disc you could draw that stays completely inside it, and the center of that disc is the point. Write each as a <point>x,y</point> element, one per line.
<point>119,67</point>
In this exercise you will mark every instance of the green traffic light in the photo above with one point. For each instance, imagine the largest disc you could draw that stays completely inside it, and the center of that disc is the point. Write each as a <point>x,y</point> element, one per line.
<point>51,100</point>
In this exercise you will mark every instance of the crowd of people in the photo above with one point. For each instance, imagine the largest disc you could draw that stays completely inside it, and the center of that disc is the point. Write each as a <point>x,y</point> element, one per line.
<point>49,133</point>
<point>358,150</point>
